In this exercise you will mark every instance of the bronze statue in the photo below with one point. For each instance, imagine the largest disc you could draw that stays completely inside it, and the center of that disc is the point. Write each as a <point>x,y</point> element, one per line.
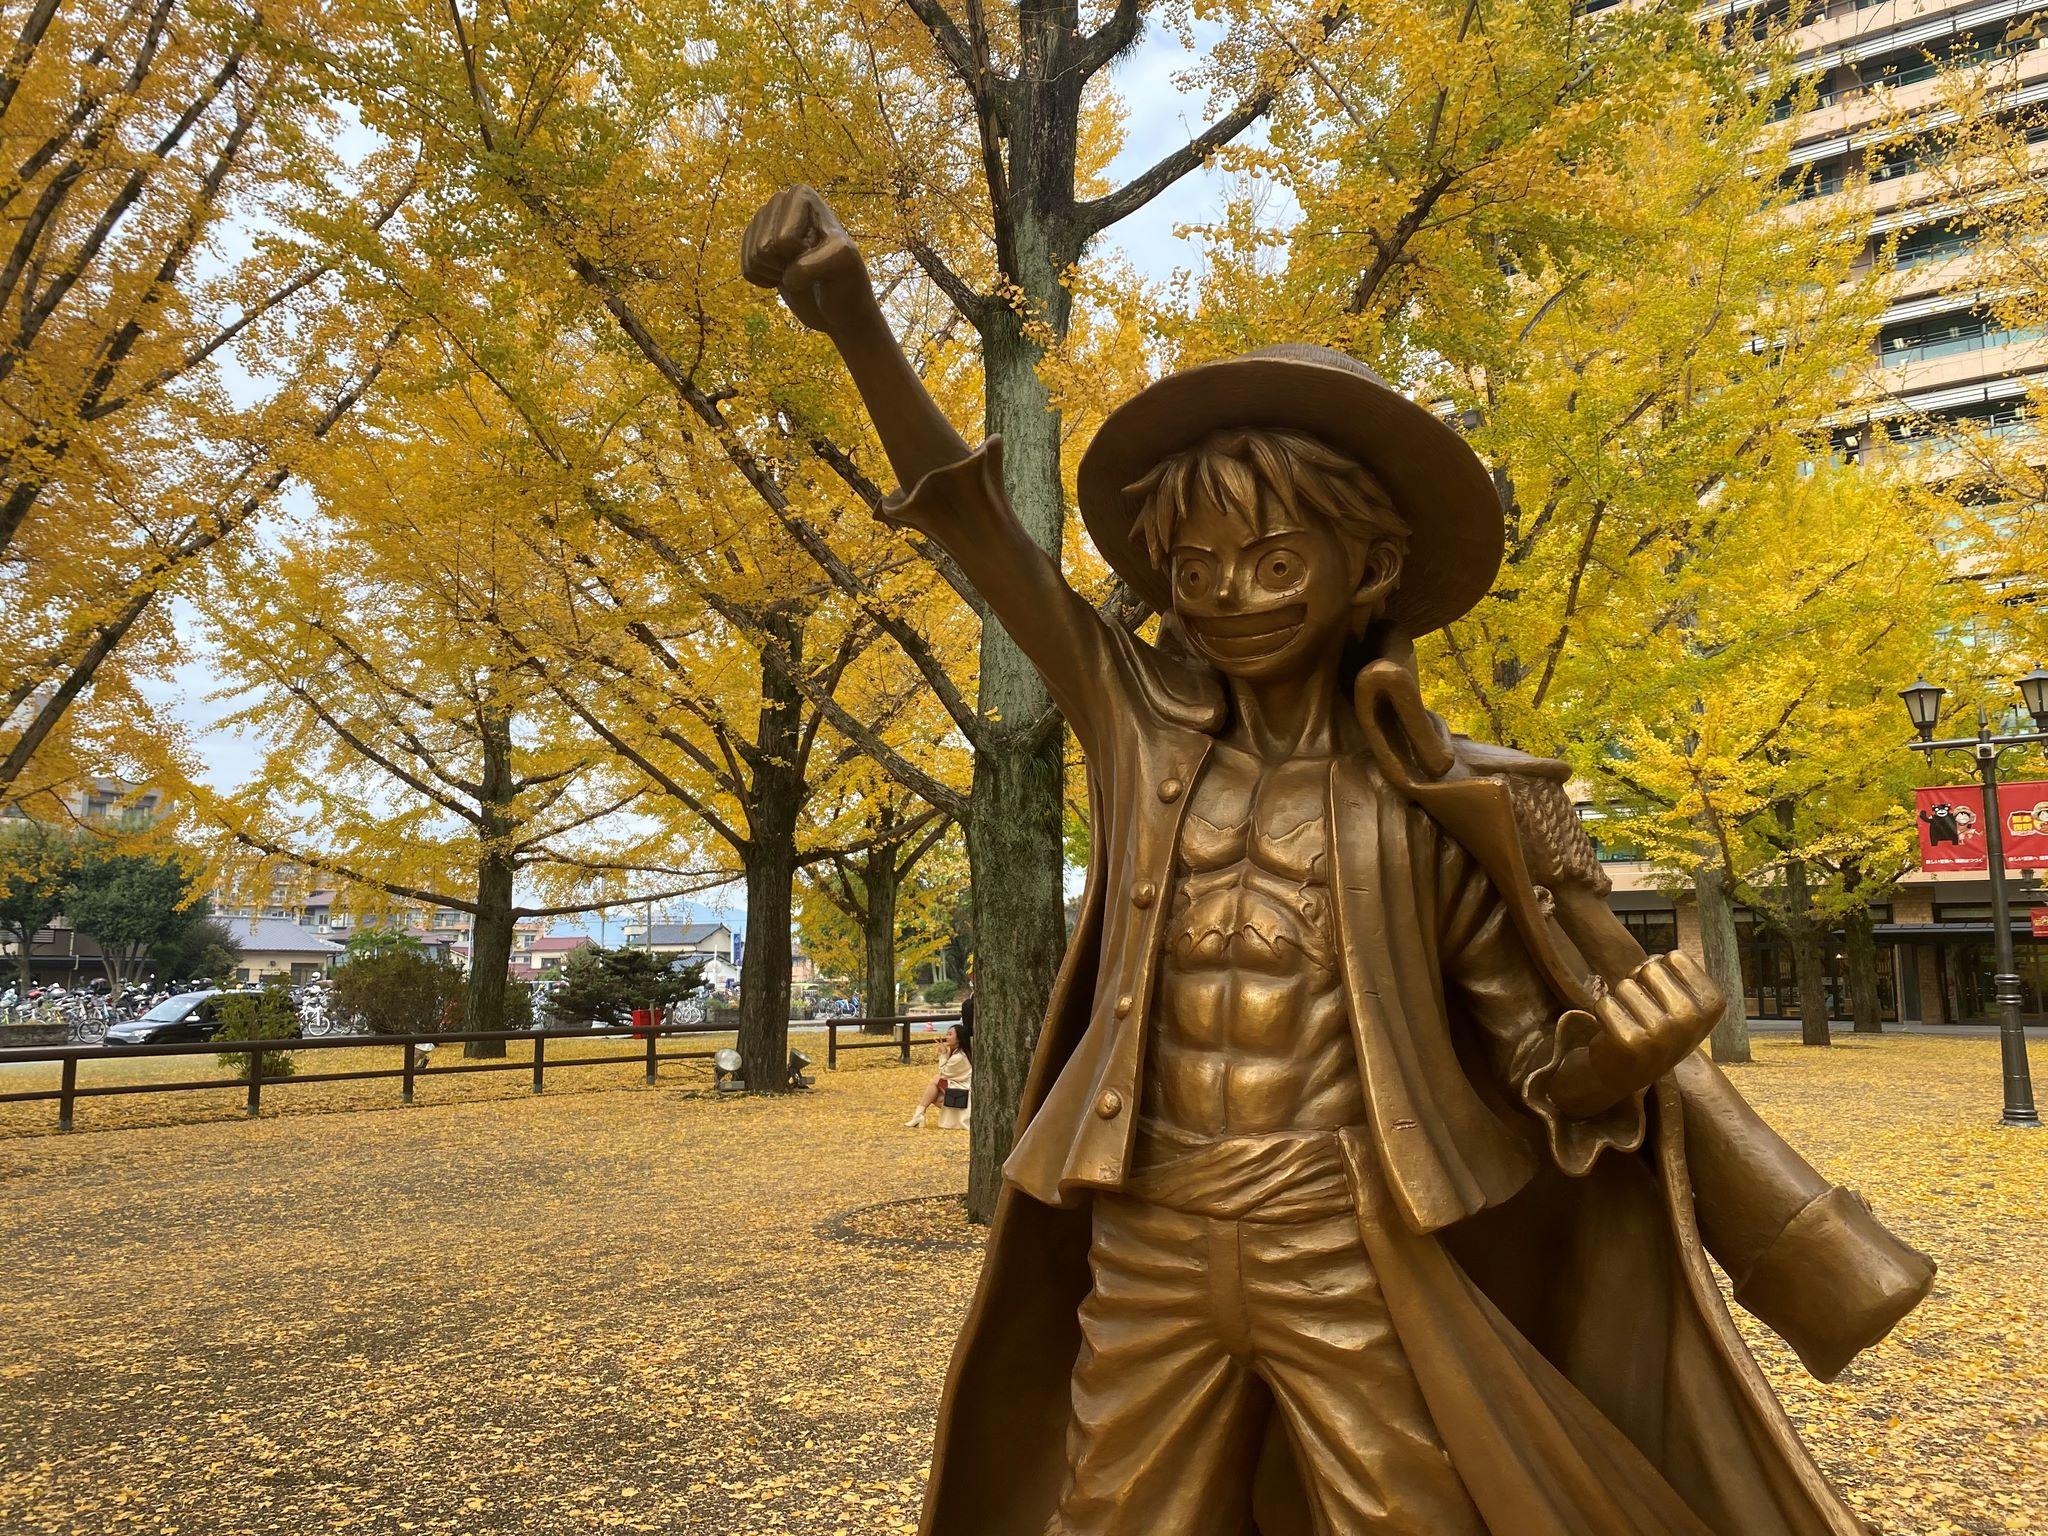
<point>1368,1170</point>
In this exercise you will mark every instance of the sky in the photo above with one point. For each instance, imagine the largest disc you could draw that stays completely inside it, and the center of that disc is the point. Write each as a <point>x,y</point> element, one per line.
<point>1159,119</point>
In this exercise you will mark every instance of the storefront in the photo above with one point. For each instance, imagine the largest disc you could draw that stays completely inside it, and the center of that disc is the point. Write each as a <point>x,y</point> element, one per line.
<point>1769,981</point>
<point>1946,966</point>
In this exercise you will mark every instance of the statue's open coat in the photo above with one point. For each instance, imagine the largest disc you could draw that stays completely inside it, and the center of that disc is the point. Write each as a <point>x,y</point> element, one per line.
<point>1567,1331</point>
<point>1548,1278</point>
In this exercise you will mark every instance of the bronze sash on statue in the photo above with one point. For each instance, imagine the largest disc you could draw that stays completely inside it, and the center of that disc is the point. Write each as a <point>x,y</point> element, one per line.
<point>1272,1177</point>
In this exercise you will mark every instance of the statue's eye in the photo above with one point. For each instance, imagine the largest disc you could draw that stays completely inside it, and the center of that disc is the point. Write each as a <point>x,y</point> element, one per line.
<point>1279,569</point>
<point>1191,576</point>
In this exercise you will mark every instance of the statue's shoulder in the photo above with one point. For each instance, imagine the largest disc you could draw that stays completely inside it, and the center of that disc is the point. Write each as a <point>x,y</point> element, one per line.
<point>1172,678</point>
<point>1554,839</point>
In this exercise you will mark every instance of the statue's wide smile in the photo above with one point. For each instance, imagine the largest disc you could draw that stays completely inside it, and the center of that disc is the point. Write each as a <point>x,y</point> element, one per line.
<point>1248,636</point>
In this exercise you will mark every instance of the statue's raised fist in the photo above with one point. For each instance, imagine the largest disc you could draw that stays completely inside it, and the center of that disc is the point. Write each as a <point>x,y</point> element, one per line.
<point>796,244</point>
<point>1653,1020</point>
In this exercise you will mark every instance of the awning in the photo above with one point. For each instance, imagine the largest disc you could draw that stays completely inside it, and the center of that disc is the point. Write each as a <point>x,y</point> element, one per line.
<point>2021,927</point>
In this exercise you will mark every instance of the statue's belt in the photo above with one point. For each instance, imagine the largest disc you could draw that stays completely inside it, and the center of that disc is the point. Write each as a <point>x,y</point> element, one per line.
<point>1272,1177</point>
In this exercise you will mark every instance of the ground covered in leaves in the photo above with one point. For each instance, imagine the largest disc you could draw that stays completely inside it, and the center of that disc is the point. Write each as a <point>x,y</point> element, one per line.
<point>652,1310</point>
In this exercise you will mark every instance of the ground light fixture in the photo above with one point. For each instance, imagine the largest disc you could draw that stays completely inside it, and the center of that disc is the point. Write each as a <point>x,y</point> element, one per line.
<point>1923,708</point>
<point>797,1062</point>
<point>725,1072</point>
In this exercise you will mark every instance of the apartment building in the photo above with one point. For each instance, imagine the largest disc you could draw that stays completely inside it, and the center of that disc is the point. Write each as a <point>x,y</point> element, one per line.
<point>99,801</point>
<point>281,889</point>
<point>1879,100</point>
<point>1875,94</point>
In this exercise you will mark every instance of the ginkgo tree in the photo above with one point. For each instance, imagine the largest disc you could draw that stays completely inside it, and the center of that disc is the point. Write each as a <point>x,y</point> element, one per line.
<point>877,910</point>
<point>178,328</point>
<point>970,154</point>
<point>1579,235</point>
<point>669,614</point>
<point>410,752</point>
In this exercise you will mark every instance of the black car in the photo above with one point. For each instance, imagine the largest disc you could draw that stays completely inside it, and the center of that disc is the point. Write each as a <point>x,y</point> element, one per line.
<point>189,1016</point>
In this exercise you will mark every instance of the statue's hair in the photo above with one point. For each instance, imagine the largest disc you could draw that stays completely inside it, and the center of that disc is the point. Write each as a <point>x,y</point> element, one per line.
<point>1232,467</point>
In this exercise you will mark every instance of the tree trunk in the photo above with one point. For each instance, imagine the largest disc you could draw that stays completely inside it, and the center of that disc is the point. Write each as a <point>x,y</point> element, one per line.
<point>1730,1041</point>
<point>1860,960</point>
<point>1014,849</point>
<point>764,970</point>
<point>769,861</point>
<point>490,955</point>
<point>1016,858</point>
<point>1809,956</point>
<point>490,943</point>
<point>878,925</point>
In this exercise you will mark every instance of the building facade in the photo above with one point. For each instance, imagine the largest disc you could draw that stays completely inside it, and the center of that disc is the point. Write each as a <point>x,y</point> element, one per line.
<point>713,945</point>
<point>1934,943</point>
<point>1868,127</point>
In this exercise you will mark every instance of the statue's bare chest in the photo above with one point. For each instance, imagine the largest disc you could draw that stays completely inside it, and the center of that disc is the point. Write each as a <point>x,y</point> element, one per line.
<point>1252,883</point>
<point>1251,1028</point>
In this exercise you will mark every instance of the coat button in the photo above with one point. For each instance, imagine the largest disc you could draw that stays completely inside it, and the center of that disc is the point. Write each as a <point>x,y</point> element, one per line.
<point>1169,789</point>
<point>1124,1005</point>
<point>1110,1105</point>
<point>1145,894</point>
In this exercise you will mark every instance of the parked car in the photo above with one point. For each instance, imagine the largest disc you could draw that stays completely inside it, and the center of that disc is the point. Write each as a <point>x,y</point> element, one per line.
<point>187,1016</point>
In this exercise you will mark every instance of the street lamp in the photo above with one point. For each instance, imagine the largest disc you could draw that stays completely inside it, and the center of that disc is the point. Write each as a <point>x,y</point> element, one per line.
<point>1923,706</point>
<point>2034,693</point>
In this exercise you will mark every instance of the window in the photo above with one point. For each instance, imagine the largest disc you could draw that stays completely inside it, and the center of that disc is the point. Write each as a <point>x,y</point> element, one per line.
<point>1613,851</point>
<point>1969,330</point>
<point>1818,180</point>
<point>1770,984</point>
<point>1655,929</point>
<point>1933,242</point>
<point>1944,428</point>
<point>1910,66</point>
<point>1901,157</point>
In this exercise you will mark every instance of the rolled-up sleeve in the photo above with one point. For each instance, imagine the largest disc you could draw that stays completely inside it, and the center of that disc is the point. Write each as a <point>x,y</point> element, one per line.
<point>963,508</point>
<point>1499,991</point>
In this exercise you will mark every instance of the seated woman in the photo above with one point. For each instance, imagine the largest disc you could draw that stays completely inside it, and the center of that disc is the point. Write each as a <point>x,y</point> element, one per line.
<point>949,1089</point>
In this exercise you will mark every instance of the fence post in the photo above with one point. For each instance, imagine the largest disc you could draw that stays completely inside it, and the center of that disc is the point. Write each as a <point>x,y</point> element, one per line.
<point>653,1039</point>
<point>904,1028</point>
<point>540,1056</point>
<point>255,1082</point>
<point>831,1045</point>
<point>405,1096</point>
<point>67,1090</point>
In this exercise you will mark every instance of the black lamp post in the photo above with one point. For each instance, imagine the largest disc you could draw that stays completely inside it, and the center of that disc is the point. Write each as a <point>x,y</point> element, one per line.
<point>1923,705</point>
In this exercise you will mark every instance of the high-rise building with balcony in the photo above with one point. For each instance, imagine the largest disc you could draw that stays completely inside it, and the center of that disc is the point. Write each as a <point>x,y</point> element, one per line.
<point>1876,85</point>
<point>1881,77</point>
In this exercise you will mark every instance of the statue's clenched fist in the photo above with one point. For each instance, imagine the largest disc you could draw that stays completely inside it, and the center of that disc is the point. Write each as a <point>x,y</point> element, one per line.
<point>796,244</point>
<point>1652,1020</point>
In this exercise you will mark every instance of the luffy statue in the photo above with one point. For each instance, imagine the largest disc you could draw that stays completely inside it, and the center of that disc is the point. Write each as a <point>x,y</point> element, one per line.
<point>1368,1170</point>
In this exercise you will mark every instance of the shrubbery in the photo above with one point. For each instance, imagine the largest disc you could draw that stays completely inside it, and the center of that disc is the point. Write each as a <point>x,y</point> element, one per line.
<point>941,993</point>
<point>270,1014</point>
<point>602,986</point>
<point>518,1005</point>
<point>394,991</point>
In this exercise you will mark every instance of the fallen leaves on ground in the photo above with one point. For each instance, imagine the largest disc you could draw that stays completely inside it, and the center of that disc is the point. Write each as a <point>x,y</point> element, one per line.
<point>656,1310</point>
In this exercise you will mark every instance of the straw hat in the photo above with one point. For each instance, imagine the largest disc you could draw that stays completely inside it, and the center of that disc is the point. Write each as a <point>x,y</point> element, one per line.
<point>1456,532</point>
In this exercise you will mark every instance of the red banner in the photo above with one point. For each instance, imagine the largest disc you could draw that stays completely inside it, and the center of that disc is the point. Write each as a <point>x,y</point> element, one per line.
<point>2038,918</point>
<point>1952,825</point>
